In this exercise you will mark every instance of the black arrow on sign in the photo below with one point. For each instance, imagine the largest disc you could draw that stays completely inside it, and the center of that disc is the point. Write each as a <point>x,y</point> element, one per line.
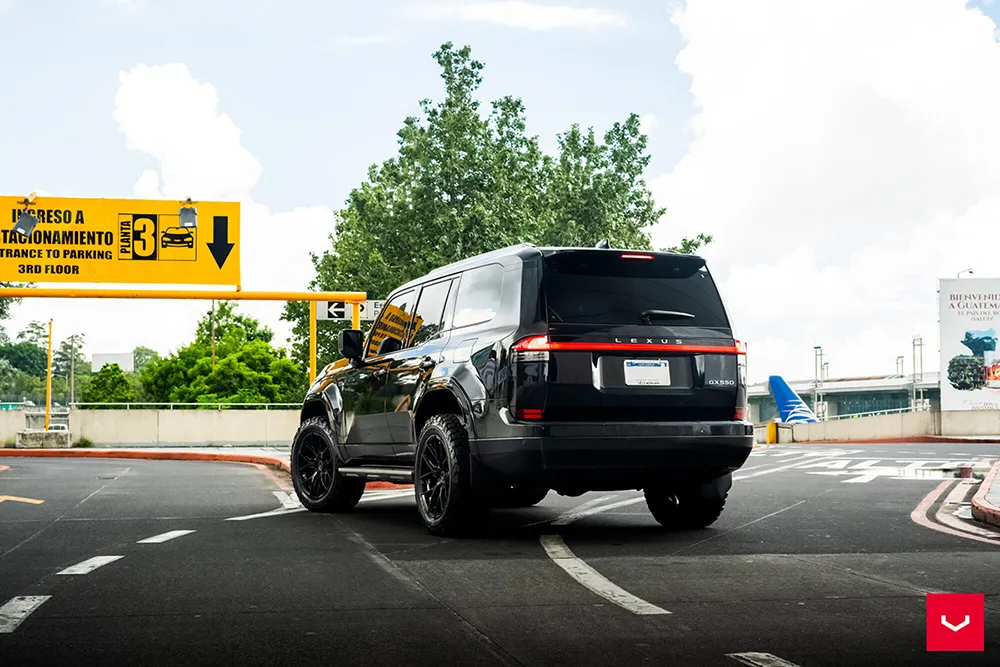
<point>220,247</point>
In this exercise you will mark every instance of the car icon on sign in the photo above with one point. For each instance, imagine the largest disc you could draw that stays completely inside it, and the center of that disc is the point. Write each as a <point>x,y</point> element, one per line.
<point>177,237</point>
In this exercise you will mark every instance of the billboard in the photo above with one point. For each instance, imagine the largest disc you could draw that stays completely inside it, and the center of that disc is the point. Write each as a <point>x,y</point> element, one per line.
<point>125,361</point>
<point>970,361</point>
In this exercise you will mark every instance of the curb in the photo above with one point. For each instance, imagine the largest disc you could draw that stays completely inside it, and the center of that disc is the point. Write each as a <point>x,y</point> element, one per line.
<point>269,461</point>
<point>982,509</point>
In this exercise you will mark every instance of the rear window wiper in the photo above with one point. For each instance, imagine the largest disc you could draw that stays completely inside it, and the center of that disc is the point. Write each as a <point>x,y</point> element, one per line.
<point>648,315</point>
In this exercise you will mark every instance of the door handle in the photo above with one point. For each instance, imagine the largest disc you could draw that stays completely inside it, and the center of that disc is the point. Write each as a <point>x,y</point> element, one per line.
<point>379,372</point>
<point>428,363</point>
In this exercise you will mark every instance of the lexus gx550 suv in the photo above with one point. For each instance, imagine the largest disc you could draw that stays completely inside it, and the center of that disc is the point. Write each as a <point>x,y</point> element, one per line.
<point>495,380</point>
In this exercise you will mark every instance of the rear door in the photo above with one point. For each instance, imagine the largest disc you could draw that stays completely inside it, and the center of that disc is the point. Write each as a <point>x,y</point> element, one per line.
<point>633,337</point>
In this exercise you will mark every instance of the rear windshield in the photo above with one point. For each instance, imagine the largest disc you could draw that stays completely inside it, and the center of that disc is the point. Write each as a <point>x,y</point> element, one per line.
<point>588,287</point>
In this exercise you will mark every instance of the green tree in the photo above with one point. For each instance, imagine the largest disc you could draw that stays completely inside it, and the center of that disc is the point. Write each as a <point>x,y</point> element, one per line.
<point>142,356</point>
<point>36,333</point>
<point>27,357</point>
<point>109,385</point>
<point>462,184</point>
<point>247,369</point>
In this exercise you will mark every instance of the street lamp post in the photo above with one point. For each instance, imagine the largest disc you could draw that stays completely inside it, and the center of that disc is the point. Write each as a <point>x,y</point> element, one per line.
<point>969,271</point>
<point>817,376</point>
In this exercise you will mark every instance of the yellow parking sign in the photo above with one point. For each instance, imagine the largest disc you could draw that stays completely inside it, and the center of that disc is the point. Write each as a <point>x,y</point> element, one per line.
<point>120,241</point>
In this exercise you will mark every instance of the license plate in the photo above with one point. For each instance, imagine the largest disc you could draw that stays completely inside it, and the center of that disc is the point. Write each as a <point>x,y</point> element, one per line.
<point>647,372</point>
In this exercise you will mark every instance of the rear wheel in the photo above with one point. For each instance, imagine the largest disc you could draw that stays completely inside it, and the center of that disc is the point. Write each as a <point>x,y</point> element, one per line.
<point>441,479</point>
<point>318,484</point>
<point>683,511</point>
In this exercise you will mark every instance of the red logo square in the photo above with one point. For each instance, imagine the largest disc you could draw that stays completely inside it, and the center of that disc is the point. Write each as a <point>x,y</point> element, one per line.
<point>956,622</point>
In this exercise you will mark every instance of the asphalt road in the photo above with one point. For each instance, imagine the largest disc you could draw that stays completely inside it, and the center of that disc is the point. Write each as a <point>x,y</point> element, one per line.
<point>819,559</point>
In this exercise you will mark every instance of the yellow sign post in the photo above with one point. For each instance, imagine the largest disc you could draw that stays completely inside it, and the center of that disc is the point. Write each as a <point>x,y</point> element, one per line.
<point>120,241</point>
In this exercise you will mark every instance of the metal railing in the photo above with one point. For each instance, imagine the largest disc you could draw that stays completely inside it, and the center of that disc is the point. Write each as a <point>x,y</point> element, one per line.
<point>140,405</point>
<point>876,413</point>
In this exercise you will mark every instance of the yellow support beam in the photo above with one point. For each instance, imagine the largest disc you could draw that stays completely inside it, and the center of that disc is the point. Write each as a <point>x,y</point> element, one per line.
<point>354,298</point>
<point>218,295</point>
<point>312,341</point>
<point>48,382</point>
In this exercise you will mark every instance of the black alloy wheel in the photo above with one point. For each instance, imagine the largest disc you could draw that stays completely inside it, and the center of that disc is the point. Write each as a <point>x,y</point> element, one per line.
<point>314,467</point>
<point>434,472</point>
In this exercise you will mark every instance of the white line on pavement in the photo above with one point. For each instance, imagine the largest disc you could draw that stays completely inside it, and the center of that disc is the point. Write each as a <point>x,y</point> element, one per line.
<point>89,565</point>
<point>594,580</point>
<point>761,660</point>
<point>919,515</point>
<point>287,500</point>
<point>163,537</point>
<point>572,515</point>
<point>365,498</point>
<point>736,478</point>
<point>17,609</point>
<point>946,513</point>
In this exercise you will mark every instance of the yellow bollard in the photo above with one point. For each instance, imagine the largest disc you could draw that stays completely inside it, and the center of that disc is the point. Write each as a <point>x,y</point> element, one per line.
<point>772,433</point>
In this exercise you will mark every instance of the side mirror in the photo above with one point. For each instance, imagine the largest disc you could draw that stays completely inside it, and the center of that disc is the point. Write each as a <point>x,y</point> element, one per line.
<point>350,344</point>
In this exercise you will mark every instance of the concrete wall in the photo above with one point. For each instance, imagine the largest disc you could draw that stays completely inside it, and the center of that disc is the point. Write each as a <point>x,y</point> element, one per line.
<point>11,423</point>
<point>906,425</point>
<point>174,428</point>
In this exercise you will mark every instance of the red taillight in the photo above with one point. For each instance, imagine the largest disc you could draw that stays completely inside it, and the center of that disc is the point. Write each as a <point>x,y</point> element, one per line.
<point>740,347</point>
<point>528,414</point>
<point>634,256</point>
<point>740,414</point>
<point>543,344</point>
<point>533,344</point>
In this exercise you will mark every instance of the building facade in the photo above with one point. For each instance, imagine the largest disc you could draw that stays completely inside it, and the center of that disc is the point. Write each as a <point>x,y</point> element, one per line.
<point>839,397</point>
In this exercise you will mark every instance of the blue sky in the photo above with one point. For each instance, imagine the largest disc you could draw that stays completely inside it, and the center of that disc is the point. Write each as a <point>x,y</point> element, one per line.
<point>842,154</point>
<point>318,87</point>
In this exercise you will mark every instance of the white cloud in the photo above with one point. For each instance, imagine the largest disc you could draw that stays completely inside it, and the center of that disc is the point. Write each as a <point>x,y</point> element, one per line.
<point>525,15</point>
<point>842,165</point>
<point>647,122</point>
<point>167,115</point>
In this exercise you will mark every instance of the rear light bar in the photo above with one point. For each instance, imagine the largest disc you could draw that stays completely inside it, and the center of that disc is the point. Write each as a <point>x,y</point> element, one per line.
<point>528,414</point>
<point>543,344</point>
<point>634,256</point>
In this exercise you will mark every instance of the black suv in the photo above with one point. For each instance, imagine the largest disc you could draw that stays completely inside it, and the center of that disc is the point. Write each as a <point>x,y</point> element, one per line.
<point>491,381</point>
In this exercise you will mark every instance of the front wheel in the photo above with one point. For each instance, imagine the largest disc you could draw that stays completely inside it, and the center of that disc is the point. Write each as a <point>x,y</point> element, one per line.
<point>683,511</point>
<point>441,479</point>
<point>318,484</point>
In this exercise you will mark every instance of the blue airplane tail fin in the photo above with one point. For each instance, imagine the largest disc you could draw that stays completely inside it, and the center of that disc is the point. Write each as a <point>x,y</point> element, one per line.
<point>791,407</point>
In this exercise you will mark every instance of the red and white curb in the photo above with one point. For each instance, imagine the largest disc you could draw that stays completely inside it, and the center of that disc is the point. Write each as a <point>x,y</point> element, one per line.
<point>982,509</point>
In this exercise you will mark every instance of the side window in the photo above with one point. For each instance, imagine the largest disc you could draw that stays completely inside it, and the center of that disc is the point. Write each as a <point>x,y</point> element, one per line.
<point>428,318</point>
<point>479,295</point>
<point>389,331</point>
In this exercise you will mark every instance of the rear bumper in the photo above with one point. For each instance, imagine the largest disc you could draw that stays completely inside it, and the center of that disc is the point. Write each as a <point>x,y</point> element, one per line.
<point>586,456</point>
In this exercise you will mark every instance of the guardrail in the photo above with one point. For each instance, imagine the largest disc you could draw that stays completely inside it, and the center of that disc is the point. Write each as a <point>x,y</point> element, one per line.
<point>876,413</point>
<point>133,405</point>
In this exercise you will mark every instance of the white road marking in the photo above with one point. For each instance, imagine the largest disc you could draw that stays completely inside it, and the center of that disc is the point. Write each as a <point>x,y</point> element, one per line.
<point>287,500</point>
<point>946,513</point>
<point>163,537</point>
<point>90,565</point>
<point>579,511</point>
<point>919,516</point>
<point>737,478</point>
<point>13,613</point>
<point>594,580</point>
<point>761,660</point>
<point>365,498</point>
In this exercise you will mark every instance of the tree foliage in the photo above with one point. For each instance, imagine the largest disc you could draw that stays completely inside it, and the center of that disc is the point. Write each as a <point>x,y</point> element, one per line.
<point>247,368</point>
<point>109,385</point>
<point>463,183</point>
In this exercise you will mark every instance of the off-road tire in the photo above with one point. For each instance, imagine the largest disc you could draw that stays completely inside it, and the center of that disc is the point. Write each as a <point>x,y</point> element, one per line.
<point>461,512</point>
<point>343,493</point>
<point>683,511</point>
